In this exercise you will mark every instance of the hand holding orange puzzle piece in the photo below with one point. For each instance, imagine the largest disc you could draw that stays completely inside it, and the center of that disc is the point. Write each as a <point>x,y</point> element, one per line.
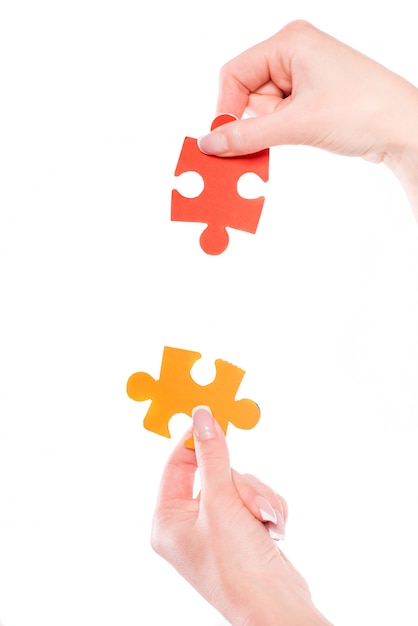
<point>176,392</point>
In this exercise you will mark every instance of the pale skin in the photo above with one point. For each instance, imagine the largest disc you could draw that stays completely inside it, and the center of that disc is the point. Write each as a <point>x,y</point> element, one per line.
<point>220,541</point>
<point>301,86</point>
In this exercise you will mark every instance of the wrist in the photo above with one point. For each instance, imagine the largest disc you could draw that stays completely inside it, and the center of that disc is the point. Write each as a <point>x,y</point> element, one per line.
<point>404,164</point>
<point>402,154</point>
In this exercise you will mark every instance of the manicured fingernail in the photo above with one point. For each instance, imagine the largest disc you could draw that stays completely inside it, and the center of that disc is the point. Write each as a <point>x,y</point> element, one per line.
<point>204,424</point>
<point>215,143</point>
<point>277,530</point>
<point>266,510</point>
<point>275,535</point>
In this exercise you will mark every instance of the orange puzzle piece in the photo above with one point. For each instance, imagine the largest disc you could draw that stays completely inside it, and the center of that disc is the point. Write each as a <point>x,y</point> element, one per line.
<point>177,392</point>
<point>219,205</point>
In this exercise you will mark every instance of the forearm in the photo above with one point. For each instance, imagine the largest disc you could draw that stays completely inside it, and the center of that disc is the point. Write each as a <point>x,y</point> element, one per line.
<point>271,602</point>
<point>275,615</point>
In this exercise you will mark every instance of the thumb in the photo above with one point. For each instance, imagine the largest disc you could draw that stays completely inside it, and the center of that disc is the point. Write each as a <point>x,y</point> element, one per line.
<point>256,133</point>
<point>211,453</point>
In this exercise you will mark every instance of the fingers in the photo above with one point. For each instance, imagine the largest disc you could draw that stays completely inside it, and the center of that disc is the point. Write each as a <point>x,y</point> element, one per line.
<point>260,81</point>
<point>303,87</point>
<point>218,481</point>
<point>265,67</point>
<point>211,455</point>
<point>263,502</point>
<point>241,77</point>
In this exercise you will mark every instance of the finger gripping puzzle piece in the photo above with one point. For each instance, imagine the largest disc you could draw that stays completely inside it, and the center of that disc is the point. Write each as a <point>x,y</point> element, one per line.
<point>219,205</point>
<point>176,392</point>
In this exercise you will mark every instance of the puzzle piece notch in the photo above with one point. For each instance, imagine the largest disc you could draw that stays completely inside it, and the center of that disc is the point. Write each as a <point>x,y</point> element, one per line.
<point>219,205</point>
<point>176,392</point>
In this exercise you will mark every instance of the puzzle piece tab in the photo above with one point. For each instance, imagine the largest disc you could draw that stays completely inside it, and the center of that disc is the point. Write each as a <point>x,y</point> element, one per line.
<point>219,205</point>
<point>176,392</point>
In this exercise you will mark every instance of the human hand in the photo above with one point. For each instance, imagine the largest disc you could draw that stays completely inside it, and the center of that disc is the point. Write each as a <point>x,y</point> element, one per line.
<point>221,541</point>
<point>302,86</point>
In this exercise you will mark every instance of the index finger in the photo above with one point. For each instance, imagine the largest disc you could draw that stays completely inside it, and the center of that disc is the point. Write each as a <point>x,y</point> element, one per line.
<point>249,72</point>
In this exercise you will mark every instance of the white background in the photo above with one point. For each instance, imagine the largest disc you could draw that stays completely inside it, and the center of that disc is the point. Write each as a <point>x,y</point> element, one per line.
<point>320,308</point>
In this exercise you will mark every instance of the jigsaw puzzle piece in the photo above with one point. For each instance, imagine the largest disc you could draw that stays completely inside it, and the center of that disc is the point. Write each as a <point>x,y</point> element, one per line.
<point>219,205</point>
<point>167,393</point>
<point>176,392</point>
<point>220,394</point>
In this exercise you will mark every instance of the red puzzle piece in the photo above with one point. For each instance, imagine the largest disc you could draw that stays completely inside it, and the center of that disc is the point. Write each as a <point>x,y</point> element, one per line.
<point>219,205</point>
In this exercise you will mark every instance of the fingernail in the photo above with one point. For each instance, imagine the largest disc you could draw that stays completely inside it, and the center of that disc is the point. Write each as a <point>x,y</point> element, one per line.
<point>204,424</point>
<point>266,510</point>
<point>277,530</point>
<point>275,535</point>
<point>215,143</point>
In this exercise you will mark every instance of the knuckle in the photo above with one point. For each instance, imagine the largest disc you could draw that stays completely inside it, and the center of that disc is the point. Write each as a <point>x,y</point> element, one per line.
<point>160,537</point>
<point>156,543</point>
<point>225,71</point>
<point>298,27</point>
